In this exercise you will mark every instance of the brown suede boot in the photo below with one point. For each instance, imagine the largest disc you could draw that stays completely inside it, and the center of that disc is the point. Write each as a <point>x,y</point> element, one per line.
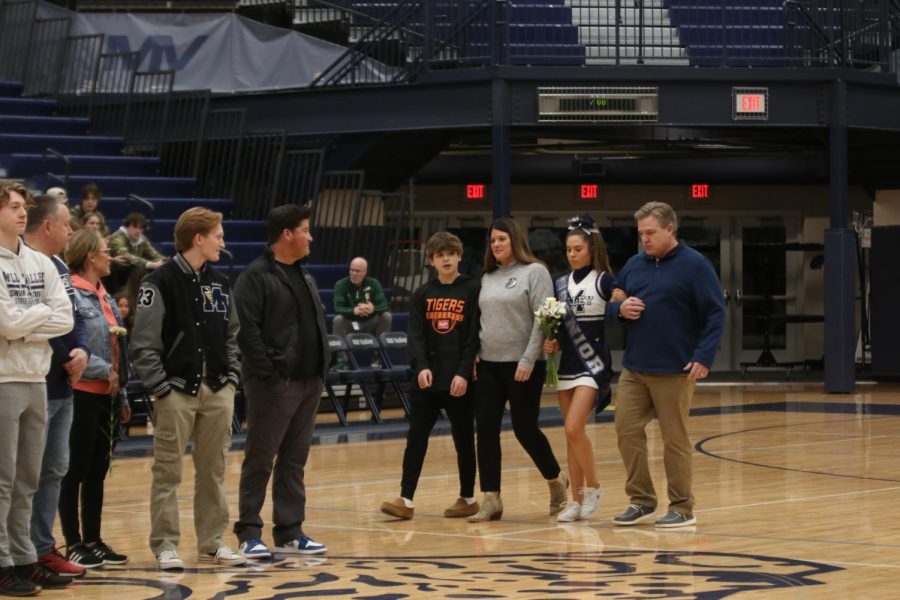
<point>460,509</point>
<point>397,508</point>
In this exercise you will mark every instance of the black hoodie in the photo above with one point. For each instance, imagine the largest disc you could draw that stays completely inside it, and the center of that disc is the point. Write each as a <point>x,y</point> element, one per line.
<point>443,330</point>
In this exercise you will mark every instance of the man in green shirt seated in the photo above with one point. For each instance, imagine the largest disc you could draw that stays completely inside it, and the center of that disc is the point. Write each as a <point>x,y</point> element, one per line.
<point>359,303</point>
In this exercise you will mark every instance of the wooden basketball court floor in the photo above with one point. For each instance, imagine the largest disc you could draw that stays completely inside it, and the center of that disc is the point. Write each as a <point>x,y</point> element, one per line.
<point>798,496</point>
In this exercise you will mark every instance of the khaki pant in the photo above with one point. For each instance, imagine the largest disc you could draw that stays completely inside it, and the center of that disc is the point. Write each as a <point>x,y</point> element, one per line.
<point>207,420</point>
<point>638,397</point>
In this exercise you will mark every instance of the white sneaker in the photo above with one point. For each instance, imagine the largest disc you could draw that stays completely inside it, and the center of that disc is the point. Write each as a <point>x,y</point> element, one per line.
<point>591,501</point>
<point>572,512</point>
<point>223,556</point>
<point>168,560</point>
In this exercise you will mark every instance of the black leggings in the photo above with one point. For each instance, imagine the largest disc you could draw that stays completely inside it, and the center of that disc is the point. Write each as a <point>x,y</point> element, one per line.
<point>496,385</point>
<point>425,410</point>
<point>89,452</point>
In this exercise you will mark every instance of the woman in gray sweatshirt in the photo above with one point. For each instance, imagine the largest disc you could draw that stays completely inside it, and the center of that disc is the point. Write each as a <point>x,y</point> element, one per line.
<point>512,364</point>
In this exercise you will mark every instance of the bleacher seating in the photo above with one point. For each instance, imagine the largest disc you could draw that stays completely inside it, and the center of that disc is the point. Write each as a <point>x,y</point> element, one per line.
<point>540,31</point>
<point>28,127</point>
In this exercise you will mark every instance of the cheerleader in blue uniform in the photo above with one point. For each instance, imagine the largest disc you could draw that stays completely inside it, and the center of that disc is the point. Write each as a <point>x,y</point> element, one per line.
<point>584,366</point>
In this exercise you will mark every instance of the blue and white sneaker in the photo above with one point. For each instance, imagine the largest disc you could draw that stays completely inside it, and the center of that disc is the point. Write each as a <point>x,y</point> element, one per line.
<point>301,545</point>
<point>255,548</point>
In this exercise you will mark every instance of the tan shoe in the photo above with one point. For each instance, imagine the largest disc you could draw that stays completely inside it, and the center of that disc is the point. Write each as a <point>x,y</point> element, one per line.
<point>460,509</point>
<point>397,508</point>
<point>558,495</point>
<point>491,510</point>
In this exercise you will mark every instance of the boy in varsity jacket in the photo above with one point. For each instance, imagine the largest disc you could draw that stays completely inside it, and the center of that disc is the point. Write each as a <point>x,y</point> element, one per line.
<point>443,342</point>
<point>34,308</point>
<point>184,345</point>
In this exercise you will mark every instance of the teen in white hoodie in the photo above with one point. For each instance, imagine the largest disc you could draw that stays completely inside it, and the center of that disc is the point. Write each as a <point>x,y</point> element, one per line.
<point>34,307</point>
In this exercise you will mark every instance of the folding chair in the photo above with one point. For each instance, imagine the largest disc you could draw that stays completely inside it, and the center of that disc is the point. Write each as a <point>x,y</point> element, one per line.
<point>396,362</point>
<point>338,348</point>
<point>364,353</point>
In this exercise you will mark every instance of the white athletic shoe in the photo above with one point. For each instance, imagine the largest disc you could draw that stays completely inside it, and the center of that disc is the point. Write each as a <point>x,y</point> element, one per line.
<point>168,560</point>
<point>591,501</point>
<point>572,512</point>
<point>223,556</point>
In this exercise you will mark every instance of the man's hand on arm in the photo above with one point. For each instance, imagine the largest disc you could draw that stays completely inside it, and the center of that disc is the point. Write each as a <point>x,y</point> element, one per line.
<point>78,359</point>
<point>631,308</point>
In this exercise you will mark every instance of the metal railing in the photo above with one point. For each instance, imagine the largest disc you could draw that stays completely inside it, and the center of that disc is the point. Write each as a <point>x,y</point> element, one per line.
<point>67,164</point>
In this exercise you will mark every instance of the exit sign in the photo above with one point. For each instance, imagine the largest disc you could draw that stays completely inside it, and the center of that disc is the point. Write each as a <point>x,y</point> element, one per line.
<point>700,191</point>
<point>750,104</point>
<point>588,191</point>
<point>474,191</point>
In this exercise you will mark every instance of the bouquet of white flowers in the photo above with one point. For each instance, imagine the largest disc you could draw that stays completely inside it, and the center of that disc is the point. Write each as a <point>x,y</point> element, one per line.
<point>550,316</point>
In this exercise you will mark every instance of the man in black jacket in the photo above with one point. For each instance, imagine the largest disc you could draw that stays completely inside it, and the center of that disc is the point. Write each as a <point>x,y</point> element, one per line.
<point>284,353</point>
<point>185,350</point>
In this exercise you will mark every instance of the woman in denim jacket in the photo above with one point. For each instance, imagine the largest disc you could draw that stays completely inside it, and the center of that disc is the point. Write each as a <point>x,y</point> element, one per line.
<point>98,403</point>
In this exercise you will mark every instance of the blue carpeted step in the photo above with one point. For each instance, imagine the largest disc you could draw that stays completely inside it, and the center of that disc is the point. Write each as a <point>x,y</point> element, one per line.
<point>328,275</point>
<point>243,252</point>
<point>44,125</point>
<point>10,89</point>
<point>27,106</point>
<point>31,165</point>
<point>116,208</point>
<point>66,144</point>
<point>122,186</point>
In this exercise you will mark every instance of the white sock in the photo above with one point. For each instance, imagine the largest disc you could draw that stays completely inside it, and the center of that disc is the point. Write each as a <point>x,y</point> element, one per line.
<point>469,501</point>
<point>407,502</point>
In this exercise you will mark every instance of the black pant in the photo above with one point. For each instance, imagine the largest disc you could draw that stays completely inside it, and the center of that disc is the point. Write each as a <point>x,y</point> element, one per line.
<point>280,420</point>
<point>90,448</point>
<point>424,411</point>
<point>496,385</point>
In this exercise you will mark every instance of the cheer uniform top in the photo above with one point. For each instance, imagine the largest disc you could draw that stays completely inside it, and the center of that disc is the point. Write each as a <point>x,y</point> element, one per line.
<point>588,293</point>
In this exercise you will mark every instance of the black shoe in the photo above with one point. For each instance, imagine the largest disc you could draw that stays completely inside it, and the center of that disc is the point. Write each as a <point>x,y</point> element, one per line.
<point>13,585</point>
<point>42,576</point>
<point>109,556</point>
<point>84,556</point>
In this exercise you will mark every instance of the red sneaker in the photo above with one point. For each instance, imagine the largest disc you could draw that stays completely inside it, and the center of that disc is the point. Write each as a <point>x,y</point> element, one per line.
<point>57,563</point>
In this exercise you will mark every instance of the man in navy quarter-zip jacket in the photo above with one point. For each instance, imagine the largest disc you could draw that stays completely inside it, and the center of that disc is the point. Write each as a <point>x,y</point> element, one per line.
<point>674,316</point>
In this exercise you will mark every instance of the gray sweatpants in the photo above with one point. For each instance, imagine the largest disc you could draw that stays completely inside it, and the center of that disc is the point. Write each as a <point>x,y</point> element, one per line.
<point>23,417</point>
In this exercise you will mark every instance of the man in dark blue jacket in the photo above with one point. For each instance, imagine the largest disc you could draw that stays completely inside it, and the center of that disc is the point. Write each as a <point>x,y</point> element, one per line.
<point>47,232</point>
<point>674,316</point>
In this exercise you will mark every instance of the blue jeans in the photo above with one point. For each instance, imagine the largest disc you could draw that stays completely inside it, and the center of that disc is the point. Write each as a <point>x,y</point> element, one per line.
<point>53,467</point>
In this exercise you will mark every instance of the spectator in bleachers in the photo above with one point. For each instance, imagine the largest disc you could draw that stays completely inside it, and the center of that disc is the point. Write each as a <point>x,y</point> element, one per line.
<point>130,247</point>
<point>131,250</point>
<point>284,353</point>
<point>98,406</point>
<point>90,202</point>
<point>92,221</point>
<point>443,342</point>
<point>359,303</point>
<point>185,350</point>
<point>47,232</point>
<point>60,194</point>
